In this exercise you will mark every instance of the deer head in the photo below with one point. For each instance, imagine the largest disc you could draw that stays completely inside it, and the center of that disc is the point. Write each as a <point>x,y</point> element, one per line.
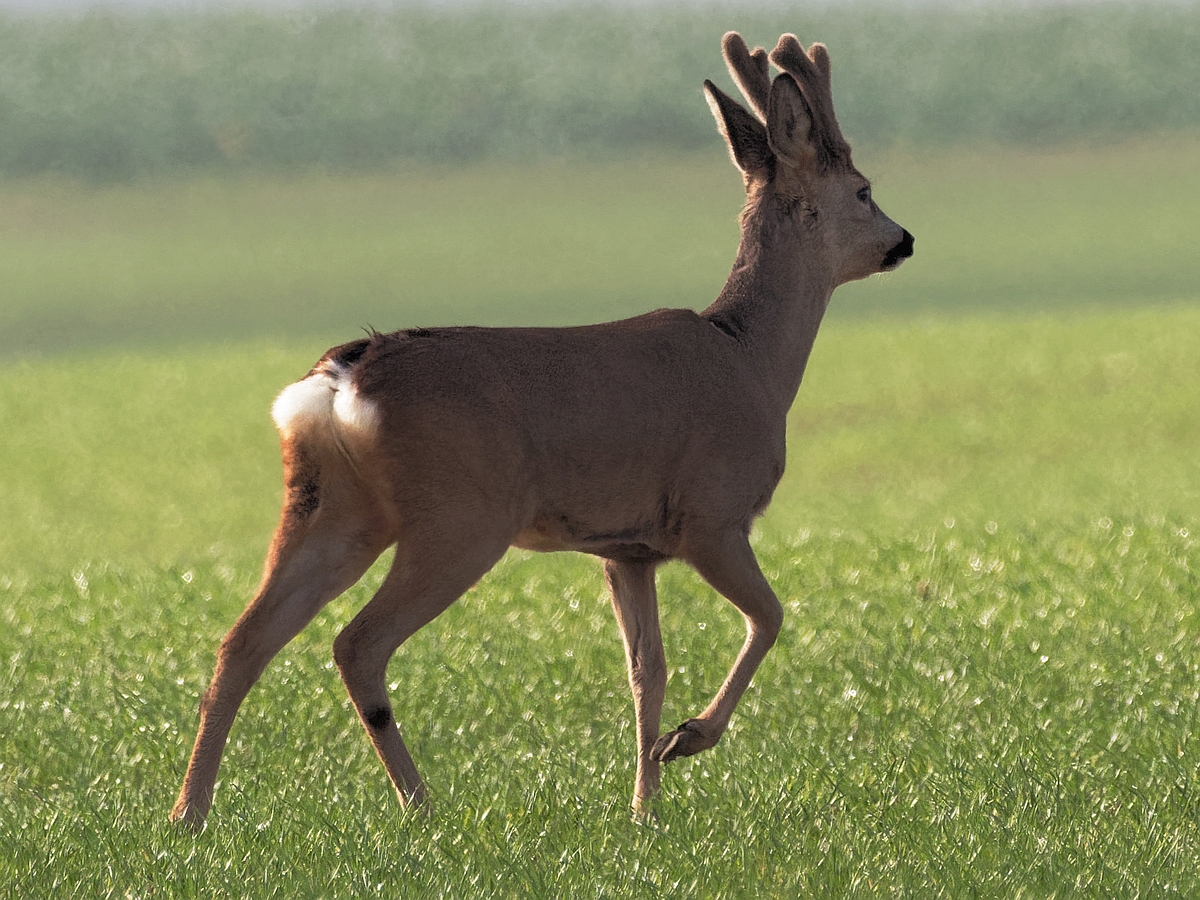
<point>795,162</point>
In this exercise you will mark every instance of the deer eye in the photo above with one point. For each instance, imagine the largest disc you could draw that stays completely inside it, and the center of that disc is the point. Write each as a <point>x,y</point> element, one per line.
<point>864,194</point>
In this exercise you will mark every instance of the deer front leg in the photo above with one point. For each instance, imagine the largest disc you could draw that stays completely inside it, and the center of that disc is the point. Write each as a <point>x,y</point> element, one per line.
<point>727,563</point>
<point>635,605</point>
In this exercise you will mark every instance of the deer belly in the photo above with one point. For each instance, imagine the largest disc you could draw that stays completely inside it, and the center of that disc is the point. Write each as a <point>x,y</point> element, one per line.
<point>540,538</point>
<point>548,535</point>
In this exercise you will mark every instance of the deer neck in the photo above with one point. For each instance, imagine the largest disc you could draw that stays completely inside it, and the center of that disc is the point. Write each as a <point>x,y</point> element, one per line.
<point>775,299</point>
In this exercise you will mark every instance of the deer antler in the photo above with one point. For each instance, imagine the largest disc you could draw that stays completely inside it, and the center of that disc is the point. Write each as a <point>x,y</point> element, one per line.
<point>811,71</point>
<point>749,71</point>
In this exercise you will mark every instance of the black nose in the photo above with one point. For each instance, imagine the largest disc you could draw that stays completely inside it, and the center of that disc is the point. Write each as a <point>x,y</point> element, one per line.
<point>900,252</point>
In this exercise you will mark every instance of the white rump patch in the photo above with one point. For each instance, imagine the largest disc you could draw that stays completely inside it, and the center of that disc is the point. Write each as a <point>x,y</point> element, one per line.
<point>354,412</point>
<point>324,399</point>
<point>303,404</point>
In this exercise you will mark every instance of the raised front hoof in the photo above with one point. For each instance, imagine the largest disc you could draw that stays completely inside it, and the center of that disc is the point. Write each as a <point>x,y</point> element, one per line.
<point>685,740</point>
<point>187,817</point>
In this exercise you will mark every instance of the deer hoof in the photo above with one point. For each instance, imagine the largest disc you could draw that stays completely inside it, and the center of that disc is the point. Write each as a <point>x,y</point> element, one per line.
<point>188,818</point>
<point>644,815</point>
<point>685,740</point>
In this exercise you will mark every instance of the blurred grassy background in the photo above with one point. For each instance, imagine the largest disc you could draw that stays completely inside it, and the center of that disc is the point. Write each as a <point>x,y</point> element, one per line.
<point>421,166</point>
<point>315,257</point>
<point>109,95</point>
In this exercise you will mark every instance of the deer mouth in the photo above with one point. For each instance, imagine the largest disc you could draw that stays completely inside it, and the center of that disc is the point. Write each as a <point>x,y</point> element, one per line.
<point>899,253</point>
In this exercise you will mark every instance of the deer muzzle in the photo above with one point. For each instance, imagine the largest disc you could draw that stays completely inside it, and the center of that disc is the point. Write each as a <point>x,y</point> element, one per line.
<point>899,253</point>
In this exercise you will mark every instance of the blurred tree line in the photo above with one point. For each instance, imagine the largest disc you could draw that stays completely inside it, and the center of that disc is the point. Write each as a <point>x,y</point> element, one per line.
<point>112,95</point>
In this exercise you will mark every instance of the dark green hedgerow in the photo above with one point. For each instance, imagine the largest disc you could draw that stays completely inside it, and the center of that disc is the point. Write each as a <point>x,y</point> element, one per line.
<point>116,94</point>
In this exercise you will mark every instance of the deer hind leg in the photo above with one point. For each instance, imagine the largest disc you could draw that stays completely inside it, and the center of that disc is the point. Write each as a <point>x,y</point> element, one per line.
<point>429,574</point>
<point>327,538</point>
<point>635,605</point>
<point>727,563</point>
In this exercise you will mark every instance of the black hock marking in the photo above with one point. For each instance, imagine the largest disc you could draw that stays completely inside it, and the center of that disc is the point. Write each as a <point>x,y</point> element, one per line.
<point>379,717</point>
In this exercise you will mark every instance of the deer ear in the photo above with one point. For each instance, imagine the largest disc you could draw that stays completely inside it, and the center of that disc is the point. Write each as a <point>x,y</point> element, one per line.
<point>746,136</point>
<point>789,124</point>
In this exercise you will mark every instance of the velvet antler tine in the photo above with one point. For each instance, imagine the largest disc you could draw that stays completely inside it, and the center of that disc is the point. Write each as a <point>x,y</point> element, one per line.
<point>820,56</point>
<point>789,56</point>
<point>759,55</point>
<point>811,70</point>
<point>749,71</point>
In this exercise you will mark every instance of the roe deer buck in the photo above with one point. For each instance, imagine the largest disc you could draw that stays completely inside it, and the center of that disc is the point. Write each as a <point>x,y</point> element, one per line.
<point>653,438</point>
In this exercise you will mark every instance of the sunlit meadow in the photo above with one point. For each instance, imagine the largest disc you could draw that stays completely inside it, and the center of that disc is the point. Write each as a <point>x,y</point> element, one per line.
<point>986,541</point>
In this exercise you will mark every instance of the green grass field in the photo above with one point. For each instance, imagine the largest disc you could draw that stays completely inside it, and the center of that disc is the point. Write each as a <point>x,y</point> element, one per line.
<point>989,676</point>
<point>316,258</point>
